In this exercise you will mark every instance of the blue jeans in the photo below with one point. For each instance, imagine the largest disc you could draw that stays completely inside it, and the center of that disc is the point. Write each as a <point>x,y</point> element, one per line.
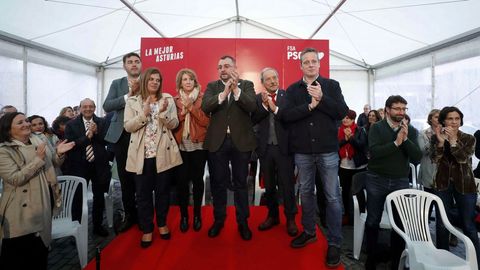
<point>378,187</point>
<point>466,217</point>
<point>327,165</point>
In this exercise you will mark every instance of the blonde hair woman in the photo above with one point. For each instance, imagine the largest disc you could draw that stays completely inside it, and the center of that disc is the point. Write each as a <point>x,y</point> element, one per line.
<point>190,135</point>
<point>149,117</point>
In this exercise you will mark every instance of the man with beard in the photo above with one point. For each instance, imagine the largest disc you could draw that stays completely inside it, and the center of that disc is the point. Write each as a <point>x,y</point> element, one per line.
<point>393,145</point>
<point>119,91</point>
<point>230,139</point>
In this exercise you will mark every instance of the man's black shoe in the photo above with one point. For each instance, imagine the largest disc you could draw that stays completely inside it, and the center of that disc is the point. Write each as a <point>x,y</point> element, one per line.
<point>183,224</point>
<point>245,232</point>
<point>214,231</point>
<point>302,240</point>
<point>100,231</point>
<point>333,257</point>
<point>197,223</point>
<point>268,223</point>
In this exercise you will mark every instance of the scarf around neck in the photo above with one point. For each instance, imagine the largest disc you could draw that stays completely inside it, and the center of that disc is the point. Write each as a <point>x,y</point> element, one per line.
<point>347,150</point>
<point>193,95</point>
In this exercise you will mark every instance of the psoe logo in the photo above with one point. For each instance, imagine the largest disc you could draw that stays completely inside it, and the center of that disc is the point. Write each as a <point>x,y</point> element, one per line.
<point>293,54</point>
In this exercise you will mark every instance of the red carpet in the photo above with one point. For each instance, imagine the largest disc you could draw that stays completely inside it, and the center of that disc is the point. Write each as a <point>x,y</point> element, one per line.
<point>195,250</point>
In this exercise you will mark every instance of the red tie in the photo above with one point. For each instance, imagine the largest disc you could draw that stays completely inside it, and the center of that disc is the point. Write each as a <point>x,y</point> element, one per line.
<point>273,98</point>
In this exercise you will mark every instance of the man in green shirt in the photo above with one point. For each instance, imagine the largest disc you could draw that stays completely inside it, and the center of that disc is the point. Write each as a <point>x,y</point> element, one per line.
<point>393,145</point>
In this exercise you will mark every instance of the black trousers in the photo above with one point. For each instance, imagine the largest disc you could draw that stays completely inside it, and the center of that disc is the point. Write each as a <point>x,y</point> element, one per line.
<point>126,178</point>
<point>146,183</point>
<point>277,170</point>
<point>346,176</point>
<point>191,170</point>
<point>23,252</point>
<point>98,189</point>
<point>219,162</point>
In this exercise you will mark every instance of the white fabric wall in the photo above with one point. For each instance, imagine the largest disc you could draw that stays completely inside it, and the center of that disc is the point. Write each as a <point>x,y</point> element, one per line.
<point>447,77</point>
<point>51,82</point>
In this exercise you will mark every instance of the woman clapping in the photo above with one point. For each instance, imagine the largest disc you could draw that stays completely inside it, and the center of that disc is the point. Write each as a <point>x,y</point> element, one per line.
<point>149,117</point>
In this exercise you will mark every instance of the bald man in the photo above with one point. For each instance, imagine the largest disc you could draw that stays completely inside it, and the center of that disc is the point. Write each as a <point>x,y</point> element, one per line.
<point>89,160</point>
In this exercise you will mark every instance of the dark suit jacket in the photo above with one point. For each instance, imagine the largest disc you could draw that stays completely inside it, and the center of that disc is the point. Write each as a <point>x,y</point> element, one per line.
<point>234,114</point>
<point>261,118</point>
<point>76,158</point>
<point>314,131</point>
<point>115,102</point>
<point>362,120</point>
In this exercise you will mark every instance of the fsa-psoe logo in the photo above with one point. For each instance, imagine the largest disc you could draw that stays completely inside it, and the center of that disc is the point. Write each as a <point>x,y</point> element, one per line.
<point>293,54</point>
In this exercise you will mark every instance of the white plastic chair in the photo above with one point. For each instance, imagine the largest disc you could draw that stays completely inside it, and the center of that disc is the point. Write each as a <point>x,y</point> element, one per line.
<point>414,172</point>
<point>109,201</point>
<point>258,189</point>
<point>359,218</point>
<point>420,253</point>
<point>62,224</point>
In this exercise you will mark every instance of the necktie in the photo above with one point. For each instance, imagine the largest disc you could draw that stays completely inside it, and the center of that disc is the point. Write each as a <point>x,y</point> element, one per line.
<point>273,98</point>
<point>89,150</point>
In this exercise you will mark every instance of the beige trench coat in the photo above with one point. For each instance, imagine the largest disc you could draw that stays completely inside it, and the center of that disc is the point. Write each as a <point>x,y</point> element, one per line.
<point>25,205</point>
<point>135,121</point>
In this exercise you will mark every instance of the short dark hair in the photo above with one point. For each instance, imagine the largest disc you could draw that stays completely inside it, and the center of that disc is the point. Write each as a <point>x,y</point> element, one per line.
<point>308,50</point>
<point>230,57</point>
<point>445,111</point>
<point>431,114</point>
<point>60,120</point>
<point>394,99</point>
<point>6,126</point>
<point>351,114</point>
<point>130,55</point>
<point>33,117</point>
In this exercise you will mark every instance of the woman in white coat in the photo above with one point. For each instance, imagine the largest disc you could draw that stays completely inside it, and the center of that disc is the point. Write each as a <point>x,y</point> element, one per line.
<point>153,152</point>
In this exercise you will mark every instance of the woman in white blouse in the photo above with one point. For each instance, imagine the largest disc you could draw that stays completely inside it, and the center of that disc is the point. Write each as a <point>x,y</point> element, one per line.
<point>153,152</point>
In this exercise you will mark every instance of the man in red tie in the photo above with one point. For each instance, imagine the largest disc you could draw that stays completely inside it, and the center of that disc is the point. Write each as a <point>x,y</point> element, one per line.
<point>276,163</point>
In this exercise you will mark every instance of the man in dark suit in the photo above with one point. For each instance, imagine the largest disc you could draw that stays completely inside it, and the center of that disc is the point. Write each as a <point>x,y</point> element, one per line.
<point>276,163</point>
<point>230,139</point>
<point>119,91</point>
<point>89,160</point>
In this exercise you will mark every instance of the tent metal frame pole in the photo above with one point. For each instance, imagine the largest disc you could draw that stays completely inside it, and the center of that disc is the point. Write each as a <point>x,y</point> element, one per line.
<point>25,80</point>
<point>143,18</point>
<point>432,48</point>
<point>327,19</point>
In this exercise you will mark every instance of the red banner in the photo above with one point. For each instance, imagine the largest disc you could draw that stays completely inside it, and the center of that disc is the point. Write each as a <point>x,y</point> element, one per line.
<point>252,55</point>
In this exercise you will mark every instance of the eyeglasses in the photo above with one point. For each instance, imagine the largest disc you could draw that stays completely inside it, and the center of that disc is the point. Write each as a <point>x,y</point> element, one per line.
<point>399,109</point>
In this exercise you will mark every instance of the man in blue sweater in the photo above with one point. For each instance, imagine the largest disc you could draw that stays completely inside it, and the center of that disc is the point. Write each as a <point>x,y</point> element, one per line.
<point>314,105</point>
<point>393,145</point>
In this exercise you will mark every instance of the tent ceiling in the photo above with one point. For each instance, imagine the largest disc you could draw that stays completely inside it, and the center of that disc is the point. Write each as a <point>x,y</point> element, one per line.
<point>370,31</point>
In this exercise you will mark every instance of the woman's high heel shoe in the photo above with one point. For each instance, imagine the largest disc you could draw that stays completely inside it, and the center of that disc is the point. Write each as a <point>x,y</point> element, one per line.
<point>146,243</point>
<point>164,235</point>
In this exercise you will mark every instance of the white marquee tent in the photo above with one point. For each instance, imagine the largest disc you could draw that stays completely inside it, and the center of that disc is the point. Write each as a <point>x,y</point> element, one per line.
<point>56,52</point>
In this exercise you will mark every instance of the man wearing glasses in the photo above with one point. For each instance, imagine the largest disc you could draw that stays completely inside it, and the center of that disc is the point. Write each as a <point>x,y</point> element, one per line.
<point>230,140</point>
<point>393,145</point>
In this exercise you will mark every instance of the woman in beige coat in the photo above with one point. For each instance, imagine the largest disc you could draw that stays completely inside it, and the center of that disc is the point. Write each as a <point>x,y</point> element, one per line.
<point>30,193</point>
<point>149,117</point>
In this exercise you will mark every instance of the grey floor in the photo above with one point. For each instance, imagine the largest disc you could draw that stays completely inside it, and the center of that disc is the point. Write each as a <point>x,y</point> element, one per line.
<point>63,253</point>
